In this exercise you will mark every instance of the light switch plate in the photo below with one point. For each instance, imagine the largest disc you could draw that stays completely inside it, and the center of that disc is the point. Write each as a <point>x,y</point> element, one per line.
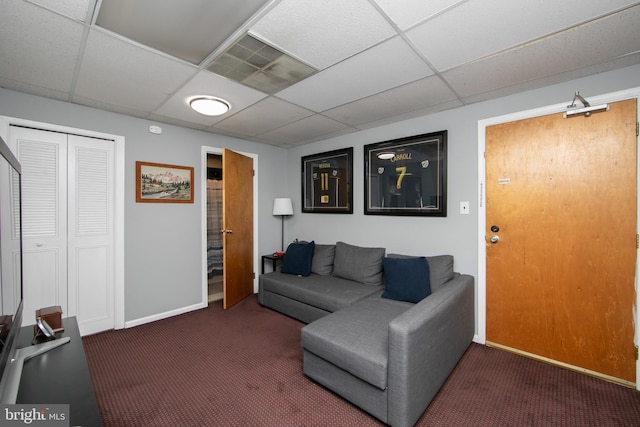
<point>464,208</point>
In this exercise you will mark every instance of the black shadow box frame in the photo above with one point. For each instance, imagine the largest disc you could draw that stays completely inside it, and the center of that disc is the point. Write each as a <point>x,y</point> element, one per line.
<point>327,182</point>
<point>407,176</point>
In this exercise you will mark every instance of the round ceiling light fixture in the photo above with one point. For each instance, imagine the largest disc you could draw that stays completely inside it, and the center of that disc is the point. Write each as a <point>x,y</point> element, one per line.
<point>209,105</point>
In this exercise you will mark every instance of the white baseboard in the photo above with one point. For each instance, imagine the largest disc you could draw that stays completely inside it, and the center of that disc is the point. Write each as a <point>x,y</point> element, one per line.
<point>477,339</point>
<point>165,315</point>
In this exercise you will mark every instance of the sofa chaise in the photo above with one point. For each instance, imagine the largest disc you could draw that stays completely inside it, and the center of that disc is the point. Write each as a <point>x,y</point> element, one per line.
<point>383,332</point>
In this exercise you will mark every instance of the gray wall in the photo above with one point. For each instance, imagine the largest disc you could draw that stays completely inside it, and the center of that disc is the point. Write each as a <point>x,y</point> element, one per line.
<point>163,245</point>
<point>456,234</point>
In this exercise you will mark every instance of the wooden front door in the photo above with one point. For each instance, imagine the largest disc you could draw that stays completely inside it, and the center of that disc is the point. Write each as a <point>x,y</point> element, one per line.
<point>237,219</point>
<point>561,199</point>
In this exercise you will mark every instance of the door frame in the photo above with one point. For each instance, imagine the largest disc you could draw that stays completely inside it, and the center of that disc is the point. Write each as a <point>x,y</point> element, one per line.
<point>203,217</point>
<point>481,317</point>
<point>119,187</point>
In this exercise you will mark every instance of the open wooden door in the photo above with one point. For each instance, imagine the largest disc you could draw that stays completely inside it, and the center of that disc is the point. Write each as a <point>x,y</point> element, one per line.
<point>561,239</point>
<point>237,218</point>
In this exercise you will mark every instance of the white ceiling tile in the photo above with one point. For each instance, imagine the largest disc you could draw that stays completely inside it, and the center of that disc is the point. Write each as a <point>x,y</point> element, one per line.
<point>206,83</point>
<point>176,122</point>
<point>187,29</point>
<point>303,130</point>
<point>74,9</point>
<point>609,38</point>
<point>38,47</point>
<point>409,12</point>
<point>620,62</point>
<point>325,136</point>
<point>264,116</point>
<point>322,33</point>
<point>410,97</point>
<point>34,90</point>
<point>116,108</point>
<point>412,114</point>
<point>481,28</point>
<point>382,67</point>
<point>116,72</point>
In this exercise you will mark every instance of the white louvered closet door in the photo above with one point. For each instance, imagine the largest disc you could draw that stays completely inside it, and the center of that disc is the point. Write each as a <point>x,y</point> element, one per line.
<point>90,233</point>
<point>68,198</point>
<point>43,156</point>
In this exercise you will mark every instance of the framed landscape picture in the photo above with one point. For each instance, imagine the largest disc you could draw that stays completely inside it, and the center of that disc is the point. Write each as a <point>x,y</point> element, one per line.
<point>160,183</point>
<point>407,176</point>
<point>326,182</point>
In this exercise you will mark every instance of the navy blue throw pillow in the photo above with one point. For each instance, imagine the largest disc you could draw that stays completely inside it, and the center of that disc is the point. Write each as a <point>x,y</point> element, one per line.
<point>298,258</point>
<point>406,279</point>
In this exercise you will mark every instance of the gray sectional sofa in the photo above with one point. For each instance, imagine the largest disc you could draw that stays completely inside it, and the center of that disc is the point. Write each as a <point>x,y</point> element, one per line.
<point>379,333</point>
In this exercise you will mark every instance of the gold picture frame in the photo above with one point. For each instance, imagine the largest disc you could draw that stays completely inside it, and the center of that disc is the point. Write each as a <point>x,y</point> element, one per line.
<point>162,183</point>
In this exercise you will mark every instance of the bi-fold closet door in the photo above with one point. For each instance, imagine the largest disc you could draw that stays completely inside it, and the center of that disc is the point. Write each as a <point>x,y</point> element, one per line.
<point>68,225</point>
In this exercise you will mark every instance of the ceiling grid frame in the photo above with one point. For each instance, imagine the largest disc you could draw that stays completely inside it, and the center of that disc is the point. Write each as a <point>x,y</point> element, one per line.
<point>354,87</point>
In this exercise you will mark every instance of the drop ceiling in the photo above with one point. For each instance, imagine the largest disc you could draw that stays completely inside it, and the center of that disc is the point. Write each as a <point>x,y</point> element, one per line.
<point>336,66</point>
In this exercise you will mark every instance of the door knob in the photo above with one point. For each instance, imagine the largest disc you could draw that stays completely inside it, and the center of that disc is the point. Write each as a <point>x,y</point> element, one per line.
<point>494,239</point>
<point>495,228</point>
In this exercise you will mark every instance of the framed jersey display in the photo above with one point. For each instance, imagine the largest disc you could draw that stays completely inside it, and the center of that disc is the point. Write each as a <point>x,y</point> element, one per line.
<point>407,176</point>
<point>326,182</point>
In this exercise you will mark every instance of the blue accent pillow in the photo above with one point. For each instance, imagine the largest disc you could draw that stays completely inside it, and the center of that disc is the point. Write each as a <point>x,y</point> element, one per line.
<point>406,279</point>
<point>298,258</point>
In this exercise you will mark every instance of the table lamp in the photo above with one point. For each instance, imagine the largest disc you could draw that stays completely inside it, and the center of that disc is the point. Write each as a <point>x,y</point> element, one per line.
<point>282,207</point>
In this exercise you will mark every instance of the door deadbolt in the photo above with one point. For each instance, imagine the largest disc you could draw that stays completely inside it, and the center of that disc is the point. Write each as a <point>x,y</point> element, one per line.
<point>494,239</point>
<point>495,228</point>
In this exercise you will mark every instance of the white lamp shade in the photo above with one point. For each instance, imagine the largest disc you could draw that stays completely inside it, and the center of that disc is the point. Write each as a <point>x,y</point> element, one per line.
<point>282,207</point>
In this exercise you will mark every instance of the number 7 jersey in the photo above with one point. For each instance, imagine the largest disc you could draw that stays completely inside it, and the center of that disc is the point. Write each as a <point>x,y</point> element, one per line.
<point>404,181</point>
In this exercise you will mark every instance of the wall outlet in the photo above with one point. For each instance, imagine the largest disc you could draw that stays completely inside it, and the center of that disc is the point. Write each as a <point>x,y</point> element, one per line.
<point>464,208</point>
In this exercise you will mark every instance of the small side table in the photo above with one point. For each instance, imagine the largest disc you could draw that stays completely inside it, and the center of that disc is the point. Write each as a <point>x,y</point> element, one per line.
<point>275,259</point>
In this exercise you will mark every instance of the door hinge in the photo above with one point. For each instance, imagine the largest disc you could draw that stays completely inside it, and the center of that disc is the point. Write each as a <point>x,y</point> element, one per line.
<point>637,128</point>
<point>637,241</point>
<point>253,172</point>
<point>636,352</point>
<point>253,275</point>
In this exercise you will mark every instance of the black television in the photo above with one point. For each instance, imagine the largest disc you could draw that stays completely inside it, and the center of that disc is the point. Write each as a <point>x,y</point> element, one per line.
<point>11,357</point>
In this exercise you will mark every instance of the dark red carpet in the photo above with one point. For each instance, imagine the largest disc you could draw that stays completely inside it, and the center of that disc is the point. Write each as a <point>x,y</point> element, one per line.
<point>243,367</point>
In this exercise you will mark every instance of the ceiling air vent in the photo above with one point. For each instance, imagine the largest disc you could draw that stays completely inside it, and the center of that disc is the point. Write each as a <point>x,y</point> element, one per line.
<point>256,64</point>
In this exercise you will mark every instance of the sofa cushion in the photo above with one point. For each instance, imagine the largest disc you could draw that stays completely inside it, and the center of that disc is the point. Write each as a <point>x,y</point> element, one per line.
<point>328,293</point>
<point>359,264</point>
<point>440,269</point>
<point>297,259</point>
<point>406,279</point>
<point>356,338</point>
<point>322,262</point>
